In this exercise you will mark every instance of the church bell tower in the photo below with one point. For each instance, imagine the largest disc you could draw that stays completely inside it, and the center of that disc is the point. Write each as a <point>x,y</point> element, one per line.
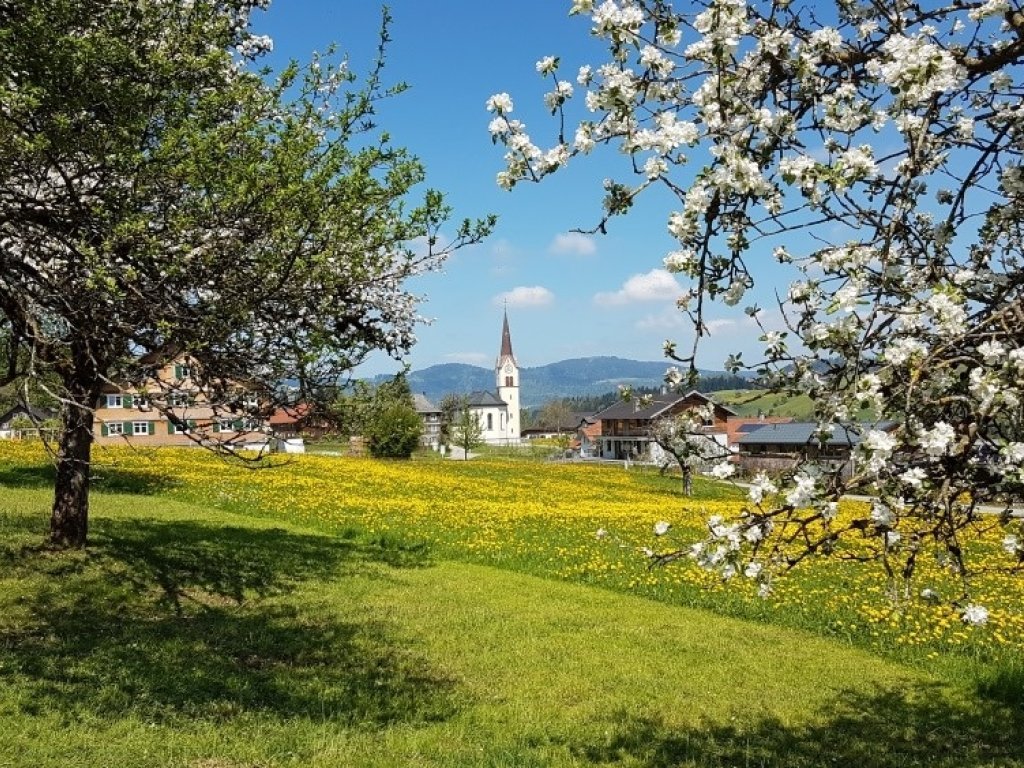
<point>506,372</point>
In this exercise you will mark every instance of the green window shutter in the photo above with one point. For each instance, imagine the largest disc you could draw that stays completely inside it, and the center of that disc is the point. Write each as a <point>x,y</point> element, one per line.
<point>216,426</point>
<point>177,371</point>
<point>103,430</point>
<point>171,429</point>
<point>191,423</point>
<point>152,427</point>
<point>127,400</point>
<point>237,425</point>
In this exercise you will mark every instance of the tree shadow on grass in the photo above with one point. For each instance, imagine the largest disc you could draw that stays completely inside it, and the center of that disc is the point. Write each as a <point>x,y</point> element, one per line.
<point>885,728</point>
<point>183,620</point>
<point>107,479</point>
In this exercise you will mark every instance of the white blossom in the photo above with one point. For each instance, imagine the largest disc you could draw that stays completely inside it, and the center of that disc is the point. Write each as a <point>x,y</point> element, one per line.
<point>723,470</point>
<point>500,103</point>
<point>937,440</point>
<point>547,65</point>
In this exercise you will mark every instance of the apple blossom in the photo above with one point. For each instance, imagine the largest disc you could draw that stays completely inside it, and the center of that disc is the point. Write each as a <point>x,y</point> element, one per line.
<point>874,159</point>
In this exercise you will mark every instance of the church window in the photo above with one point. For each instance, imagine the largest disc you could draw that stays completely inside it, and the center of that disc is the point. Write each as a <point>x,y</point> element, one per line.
<point>508,381</point>
<point>490,421</point>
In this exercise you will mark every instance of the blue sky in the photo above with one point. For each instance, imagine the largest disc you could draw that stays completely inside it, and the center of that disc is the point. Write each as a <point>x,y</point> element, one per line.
<point>569,295</point>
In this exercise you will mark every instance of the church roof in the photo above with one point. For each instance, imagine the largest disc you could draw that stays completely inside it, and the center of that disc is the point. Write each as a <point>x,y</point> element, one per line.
<point>484,399</point>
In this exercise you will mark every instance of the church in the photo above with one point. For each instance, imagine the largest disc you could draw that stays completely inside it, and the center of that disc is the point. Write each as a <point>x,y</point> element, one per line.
<point>498,414</point>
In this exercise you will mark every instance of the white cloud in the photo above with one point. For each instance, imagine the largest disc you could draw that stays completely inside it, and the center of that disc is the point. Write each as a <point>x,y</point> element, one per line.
<point>525,296</point>
<point>668,319</point>
<point>722,324</point>
<point>470,358</point>
<point>573,243</point>
<point>671,319</point>
<point>656,285</point>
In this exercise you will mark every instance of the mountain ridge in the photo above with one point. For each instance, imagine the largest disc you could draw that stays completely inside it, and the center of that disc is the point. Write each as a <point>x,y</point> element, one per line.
<point>581,376</point>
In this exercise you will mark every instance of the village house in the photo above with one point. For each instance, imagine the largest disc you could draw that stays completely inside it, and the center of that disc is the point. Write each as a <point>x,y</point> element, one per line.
<point>743,425</point>
<point>779,447</point>
<point>626,425</point>
<point>567,425</point>
<point>25,421</point>
<point>588,435</point>
<point>172,409</point>
<point>431,417</point>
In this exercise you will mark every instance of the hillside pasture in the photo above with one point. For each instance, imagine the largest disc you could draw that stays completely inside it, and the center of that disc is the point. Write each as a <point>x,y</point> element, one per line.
<point>330,611</point>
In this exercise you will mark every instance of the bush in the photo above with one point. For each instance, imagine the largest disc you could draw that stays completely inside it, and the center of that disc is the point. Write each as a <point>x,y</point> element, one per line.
<point>394,431</point>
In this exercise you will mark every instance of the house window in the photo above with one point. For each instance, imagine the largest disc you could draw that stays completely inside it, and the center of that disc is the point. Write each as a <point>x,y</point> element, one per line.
<point>490,421</point>
<point>177,399</point>
<point>141,402</point>
<point>115,428</point>
<point>140,427</point>
<point>226,425</point>
<point>115,401</point>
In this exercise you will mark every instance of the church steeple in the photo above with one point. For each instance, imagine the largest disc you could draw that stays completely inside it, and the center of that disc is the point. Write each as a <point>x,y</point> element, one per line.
<point>506,373</point>
<point>506,345</point>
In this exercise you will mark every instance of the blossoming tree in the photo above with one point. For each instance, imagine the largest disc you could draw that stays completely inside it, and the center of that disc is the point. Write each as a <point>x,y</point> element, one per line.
<point>159,197</point>
<point>684,438</point>
<point>874,149</point>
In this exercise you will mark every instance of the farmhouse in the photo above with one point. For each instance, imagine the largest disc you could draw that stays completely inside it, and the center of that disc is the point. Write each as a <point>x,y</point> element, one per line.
<point>172,409</point>
<point>777,447</point>
<point>740,426</point>
<point>626,425</point>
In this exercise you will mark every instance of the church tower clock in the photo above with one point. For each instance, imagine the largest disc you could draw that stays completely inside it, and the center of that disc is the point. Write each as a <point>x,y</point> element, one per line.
<point>506,371</point>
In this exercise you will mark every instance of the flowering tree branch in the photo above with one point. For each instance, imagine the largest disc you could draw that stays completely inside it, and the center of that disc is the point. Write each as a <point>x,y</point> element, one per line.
<point>874,150</point>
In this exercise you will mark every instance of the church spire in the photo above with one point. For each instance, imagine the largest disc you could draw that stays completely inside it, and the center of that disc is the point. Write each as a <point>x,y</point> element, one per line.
<point>506,341</point>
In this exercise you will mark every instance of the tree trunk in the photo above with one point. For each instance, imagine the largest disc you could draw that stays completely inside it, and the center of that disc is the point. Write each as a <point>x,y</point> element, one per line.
<point>70,518</point>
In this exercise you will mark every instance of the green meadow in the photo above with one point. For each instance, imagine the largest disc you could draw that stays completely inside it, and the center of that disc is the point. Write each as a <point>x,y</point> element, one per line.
<point>195,635</point>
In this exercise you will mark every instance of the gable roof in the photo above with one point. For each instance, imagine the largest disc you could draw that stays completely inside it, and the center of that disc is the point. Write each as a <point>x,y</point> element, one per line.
<point>422,405</point>
<point>480,399</point>
<point>659,405</point>
<point>33,412</point>
<point>289,414</point>
<point>803,433</point>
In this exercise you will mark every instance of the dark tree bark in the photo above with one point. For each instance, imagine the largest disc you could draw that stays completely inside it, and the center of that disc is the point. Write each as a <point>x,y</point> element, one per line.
<point>70,517</point>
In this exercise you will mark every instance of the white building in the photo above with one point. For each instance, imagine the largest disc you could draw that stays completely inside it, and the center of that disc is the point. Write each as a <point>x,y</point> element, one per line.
<point>498,415</point>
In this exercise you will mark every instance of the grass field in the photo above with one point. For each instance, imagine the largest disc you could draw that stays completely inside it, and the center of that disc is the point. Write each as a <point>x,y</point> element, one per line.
<point>345,612</point>
<point>754,402</point>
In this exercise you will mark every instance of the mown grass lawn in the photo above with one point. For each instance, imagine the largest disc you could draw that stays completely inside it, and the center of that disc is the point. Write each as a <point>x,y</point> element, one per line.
<point>195,636</point>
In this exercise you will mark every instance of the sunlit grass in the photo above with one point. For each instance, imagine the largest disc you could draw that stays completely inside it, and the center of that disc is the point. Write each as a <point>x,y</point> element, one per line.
<point>541,518</point>
<point>194,637</point>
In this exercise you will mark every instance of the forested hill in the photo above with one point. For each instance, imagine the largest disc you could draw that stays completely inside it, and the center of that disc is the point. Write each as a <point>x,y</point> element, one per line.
<point>580,377</point>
